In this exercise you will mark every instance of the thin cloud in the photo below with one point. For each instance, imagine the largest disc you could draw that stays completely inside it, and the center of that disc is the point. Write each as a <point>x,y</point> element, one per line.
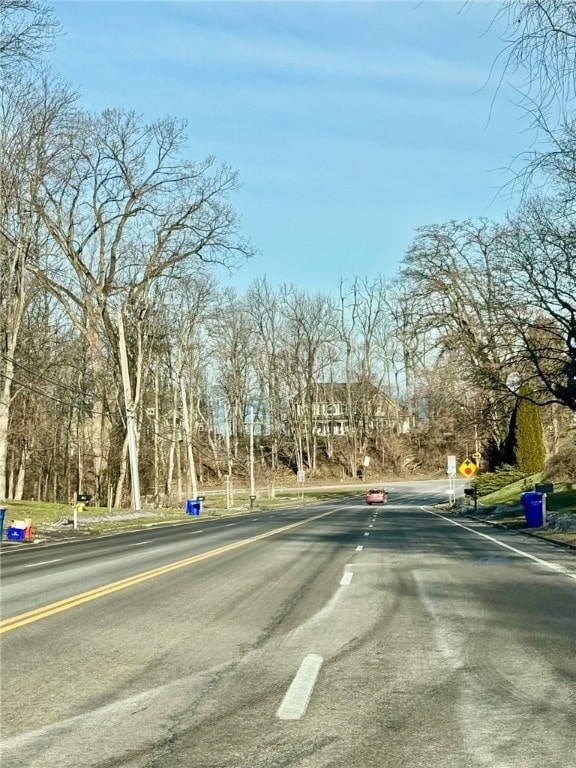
<point>224,50</point>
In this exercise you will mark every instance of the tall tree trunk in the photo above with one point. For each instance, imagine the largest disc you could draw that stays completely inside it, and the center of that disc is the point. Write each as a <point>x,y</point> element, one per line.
<point>4,420</point>
<point>118,498</point>
<point>13,302</point>
<point>21,476</point>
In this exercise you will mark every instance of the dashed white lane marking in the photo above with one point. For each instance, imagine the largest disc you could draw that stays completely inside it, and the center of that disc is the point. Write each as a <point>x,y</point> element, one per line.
<point>359,548</point>
<point>550,566</point>
<point>366,533</point>
<point>44,562</point>
<point>347,578</point>
<point>229,525</point>
<point>297,698</point>
<point>370,526</point>
<point>139,543</point>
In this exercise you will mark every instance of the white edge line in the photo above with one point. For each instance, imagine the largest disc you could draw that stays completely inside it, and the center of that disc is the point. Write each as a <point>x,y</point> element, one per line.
<point>297,698</point>
<point>550,566</point>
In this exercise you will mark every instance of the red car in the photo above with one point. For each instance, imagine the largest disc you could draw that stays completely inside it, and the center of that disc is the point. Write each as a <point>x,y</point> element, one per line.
<point>377,496</point>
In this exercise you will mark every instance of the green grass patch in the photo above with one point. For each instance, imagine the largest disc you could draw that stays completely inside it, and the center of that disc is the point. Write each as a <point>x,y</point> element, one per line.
<point>38,511</point>
<point>510,494</point>
<point>562,500</point>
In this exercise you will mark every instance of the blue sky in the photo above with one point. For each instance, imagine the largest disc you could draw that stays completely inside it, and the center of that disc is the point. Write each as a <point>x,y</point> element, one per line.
<point>350,123</point>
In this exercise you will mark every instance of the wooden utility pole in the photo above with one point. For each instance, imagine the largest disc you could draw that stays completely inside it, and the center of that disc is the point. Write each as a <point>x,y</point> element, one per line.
<point>191,465</point>
<point>252,482</point>
<point>130,417</point>
<point>157,434</point>
<point>229,491</point>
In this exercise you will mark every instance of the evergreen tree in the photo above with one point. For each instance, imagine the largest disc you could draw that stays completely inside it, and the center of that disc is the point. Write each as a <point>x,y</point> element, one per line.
<point>530,451</point>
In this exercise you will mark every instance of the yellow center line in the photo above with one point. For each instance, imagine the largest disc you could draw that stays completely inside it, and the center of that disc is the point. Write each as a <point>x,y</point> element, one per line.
<point>6,625</point>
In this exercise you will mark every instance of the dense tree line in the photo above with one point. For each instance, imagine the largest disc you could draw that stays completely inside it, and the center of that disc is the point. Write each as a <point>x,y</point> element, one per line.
<point>111,314</point>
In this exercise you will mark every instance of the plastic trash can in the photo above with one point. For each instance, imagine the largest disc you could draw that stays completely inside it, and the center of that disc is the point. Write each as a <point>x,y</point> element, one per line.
<point>534,508</point>
<point>193,506</point>
<point>15,533</point>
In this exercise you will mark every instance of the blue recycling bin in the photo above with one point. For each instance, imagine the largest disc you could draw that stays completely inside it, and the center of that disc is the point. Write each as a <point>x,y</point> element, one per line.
<point>193,506</point>
<point>533,503</point>
<point>18,534</point>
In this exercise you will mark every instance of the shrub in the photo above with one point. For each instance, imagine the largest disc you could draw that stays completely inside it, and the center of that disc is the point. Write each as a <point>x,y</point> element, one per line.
<point>501,477</point>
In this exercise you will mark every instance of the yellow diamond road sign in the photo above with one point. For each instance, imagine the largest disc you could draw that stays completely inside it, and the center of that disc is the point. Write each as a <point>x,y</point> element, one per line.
<point>467,468</point>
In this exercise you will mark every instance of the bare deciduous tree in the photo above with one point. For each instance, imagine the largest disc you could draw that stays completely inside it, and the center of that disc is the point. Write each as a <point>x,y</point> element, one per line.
<point>540,49</point>
<point>28,107</point>
<point>540,44</point>
<point>232,351</point>
<point>457,291</point>
<point>27,29</point>
<point>124,209</point>
<point>364,327</point>
<point>541,273</point>
<point>308,349</point>
<point>262,306</point>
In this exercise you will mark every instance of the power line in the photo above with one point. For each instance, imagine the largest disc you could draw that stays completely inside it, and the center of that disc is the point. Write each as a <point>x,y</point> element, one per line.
<point>45,378</point>
<point>42,394</point>
<point>203,450</point>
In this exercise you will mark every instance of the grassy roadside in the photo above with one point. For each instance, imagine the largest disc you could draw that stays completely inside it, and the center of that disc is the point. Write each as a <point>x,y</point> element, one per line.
<point>504,507</point>
<point>52,518</point>
<point>55,520</point>
<point>562,500</point>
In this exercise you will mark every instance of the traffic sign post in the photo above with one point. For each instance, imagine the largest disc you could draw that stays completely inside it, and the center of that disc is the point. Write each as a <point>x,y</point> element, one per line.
<point>468,469</point>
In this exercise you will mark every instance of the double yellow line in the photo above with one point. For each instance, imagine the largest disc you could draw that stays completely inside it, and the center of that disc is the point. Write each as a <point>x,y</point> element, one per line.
<point>6,625</point>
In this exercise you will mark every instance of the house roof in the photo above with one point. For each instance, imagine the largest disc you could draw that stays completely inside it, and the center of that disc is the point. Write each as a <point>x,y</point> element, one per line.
<point>338,392</point>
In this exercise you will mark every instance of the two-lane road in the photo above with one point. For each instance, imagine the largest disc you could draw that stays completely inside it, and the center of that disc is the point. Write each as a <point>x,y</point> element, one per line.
<point>332,635</point>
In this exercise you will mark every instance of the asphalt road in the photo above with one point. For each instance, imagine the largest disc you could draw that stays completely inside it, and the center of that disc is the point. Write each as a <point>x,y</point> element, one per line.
<point>333,635</point>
